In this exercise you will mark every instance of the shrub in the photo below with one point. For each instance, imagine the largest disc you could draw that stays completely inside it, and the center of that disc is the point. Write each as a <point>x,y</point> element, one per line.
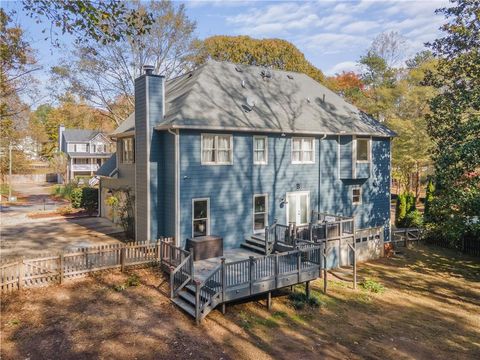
<point>429,198</point>
<point>65,210</point>
<point>401,209</point>
<point>372,286</point>
<point>300,300</point>
<point>413,219</point>
<point>410,201</point>
<point>76,198</point>
<point>89,200</point>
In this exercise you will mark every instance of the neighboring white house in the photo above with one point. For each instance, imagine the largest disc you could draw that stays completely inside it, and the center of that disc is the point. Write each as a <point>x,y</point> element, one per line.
<point>87,150</point>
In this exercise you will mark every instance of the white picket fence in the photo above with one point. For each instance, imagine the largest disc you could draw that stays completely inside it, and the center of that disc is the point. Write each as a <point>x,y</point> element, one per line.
<point>56,268</point>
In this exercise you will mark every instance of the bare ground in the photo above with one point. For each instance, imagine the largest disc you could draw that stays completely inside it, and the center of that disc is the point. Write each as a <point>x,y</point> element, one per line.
<point>429,310</point>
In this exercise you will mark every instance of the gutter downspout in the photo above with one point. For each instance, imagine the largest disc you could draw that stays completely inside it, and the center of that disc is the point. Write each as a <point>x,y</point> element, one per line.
<point>319,169</point>
<point>177,184</point>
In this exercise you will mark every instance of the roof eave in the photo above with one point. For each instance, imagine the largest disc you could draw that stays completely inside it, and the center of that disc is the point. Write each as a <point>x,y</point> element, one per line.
<point>259,130</point>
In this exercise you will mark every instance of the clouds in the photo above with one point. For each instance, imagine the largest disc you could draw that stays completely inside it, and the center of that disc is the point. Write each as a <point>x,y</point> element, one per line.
<point>333,33</point>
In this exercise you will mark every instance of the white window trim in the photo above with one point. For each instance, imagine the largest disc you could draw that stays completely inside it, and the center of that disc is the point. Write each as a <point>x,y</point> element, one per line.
<point>208,213</point>
<point>357,187</point>
<point>369,150</point>
<point>266,212</point>
<point>216,149</point>
<point>266,150</point>
<point>308,205</point>
<point>301,150</point>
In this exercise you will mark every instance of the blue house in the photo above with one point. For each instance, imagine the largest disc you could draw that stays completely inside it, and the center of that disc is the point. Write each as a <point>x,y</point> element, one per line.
<point>228,149</point>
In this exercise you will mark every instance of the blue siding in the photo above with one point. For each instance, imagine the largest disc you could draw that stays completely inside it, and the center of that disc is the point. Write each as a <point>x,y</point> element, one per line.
<point>362,170</point>
<point>346,146</point>
<point>230,188</point>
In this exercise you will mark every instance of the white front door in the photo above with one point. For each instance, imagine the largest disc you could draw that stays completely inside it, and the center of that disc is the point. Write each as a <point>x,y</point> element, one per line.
<point>298,207</point>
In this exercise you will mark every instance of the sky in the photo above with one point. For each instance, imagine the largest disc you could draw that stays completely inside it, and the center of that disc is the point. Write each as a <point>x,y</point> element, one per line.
<point>332,34</point>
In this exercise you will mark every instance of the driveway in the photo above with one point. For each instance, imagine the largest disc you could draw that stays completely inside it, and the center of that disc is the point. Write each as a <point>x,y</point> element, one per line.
<point>56,235</point>
<point>31,198</point>
<point>23,236</point>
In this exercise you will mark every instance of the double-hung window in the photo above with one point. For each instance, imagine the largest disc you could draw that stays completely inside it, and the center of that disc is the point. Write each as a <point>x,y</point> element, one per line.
<point>303,150</point>
<point>200,217</point>
<point>217,149</point>
<point>260,212</point>
<point>128,154</point>
<point>363,149</point>
<point>260,150</point>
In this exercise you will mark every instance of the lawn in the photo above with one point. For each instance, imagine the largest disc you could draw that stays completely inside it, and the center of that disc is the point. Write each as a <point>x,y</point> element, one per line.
<point>423,305</point>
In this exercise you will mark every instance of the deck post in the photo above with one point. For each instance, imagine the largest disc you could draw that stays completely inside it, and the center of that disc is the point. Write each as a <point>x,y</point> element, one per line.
<point>276,270</point>
<point>266,239</point>
<point>224,282</point>
<point>252,262</point>
<point>269,301</point>
<point>192,269</point>
<point>354,269</point>
<point>325,268</point>
<point>299,259</point>
<point>197,302</point>
<point>307,289</point>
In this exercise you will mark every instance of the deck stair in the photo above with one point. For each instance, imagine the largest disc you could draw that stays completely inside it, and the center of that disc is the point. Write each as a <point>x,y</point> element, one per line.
<point>256,243</point>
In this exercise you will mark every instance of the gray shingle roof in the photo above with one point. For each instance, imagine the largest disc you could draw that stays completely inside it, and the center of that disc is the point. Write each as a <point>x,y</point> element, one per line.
<point>79,135</point>
<point>219,95</point>
<point>127,125</point>
<point>108,166</point>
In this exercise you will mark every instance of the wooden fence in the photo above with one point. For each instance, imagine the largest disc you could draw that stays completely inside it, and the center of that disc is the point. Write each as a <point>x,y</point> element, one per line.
<point>55,268</point>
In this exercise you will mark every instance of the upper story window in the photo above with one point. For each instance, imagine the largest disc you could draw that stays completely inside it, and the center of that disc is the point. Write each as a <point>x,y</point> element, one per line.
<point>217,149</point>
<point>77,147</point>
<point>128,152</point>
<point>303,150</point>
<point>260,150</point>
<point>99,148</point>
<point>363,149</point>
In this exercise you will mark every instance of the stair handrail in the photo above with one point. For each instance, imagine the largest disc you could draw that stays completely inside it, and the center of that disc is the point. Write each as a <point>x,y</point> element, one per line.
<point>188,270</point>
<point>199,308</point>
<point>270,236</point>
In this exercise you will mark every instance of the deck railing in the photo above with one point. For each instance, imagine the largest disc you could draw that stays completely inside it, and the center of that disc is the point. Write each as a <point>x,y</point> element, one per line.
<point>256,275</point>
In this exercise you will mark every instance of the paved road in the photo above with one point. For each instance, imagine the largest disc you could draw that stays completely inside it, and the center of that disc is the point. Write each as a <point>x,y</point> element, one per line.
<point>22,236</point>
<point>31,198</point>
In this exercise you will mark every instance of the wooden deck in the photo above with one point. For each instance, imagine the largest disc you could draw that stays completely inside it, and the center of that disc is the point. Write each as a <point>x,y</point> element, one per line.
<point>203,268</point>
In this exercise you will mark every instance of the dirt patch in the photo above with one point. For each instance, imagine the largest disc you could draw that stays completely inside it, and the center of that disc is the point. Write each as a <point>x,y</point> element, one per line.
<point>429,308</point>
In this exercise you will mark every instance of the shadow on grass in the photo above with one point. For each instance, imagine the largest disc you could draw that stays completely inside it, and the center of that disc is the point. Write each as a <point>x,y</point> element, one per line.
<point>415,318</point>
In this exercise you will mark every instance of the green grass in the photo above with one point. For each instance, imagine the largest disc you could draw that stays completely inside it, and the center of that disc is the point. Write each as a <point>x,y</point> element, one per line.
<point>372,286</point>
<point>4,189</point>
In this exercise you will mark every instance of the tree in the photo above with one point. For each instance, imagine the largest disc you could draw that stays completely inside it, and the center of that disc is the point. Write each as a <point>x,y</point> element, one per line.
<point>348,85</point>
<point>101,21</point>
<point>17,63</point>
<point>59,165</point>
<point>46,119</point>
<point>430,193</point>
<point>104,74</point>
<point>275,53</point>
<point>390,47</point>
<point>454,120</point>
